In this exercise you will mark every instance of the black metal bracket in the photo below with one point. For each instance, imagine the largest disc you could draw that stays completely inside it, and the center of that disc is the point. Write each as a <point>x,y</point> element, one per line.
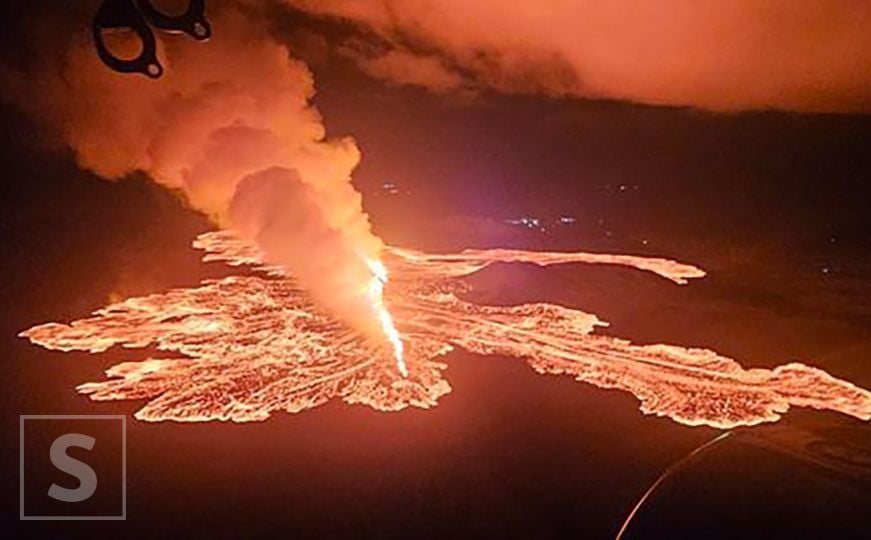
<point>137,16</point>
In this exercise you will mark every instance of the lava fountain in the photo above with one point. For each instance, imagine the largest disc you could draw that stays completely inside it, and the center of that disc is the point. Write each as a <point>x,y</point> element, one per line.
<point>245,346</point>
<point>376,295</point>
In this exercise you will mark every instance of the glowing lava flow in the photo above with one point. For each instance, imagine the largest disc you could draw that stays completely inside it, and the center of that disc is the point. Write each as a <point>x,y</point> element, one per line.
<point>376,296</point>
<point>241,347</point>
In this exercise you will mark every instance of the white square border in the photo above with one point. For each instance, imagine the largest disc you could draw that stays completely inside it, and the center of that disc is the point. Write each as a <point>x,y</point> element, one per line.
<point>123,418</point>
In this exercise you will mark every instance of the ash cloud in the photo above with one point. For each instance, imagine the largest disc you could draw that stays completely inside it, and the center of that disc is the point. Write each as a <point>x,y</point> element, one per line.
<point>230,126</point>
<point>810,56</point>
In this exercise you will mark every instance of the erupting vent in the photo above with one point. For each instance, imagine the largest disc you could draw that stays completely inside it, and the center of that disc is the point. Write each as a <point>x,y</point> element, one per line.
<point>241,347</point>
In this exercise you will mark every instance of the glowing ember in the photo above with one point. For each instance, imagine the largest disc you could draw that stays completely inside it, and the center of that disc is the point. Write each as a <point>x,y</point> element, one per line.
<point>241,347</point>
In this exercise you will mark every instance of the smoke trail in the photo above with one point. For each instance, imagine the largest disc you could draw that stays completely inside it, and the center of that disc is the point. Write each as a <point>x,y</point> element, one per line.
<point>813,55</point>
<point>231,127</point>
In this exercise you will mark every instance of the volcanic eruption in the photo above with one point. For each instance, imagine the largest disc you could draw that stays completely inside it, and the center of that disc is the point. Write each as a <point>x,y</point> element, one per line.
<point>320,317</point>
<point>242,347</point>
<point>232,129</point>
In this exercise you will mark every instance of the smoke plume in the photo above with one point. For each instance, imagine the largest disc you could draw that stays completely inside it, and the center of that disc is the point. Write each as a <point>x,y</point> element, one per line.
<point>723,55</point>
<point>230,126</point>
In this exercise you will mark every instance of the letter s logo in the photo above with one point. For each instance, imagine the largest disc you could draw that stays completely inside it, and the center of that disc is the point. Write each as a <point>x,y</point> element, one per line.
<point>86,475</point>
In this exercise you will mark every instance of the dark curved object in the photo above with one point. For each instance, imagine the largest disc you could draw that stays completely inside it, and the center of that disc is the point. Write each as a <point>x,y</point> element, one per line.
<point>192,22</point>
<point>136,16</point>
<point>116,15</point>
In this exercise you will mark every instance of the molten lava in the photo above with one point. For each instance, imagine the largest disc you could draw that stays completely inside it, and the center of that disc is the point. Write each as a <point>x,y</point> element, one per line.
<point>241,347</point>
<point>376,296</point>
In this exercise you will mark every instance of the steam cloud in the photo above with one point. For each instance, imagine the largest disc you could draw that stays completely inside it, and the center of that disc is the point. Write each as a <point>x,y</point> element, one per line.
<point>230,126</point>
<point>724,55</point>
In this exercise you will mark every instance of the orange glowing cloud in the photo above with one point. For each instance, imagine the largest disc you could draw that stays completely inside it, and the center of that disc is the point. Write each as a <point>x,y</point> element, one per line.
<point>720,55</point>
<point>230,126</point>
